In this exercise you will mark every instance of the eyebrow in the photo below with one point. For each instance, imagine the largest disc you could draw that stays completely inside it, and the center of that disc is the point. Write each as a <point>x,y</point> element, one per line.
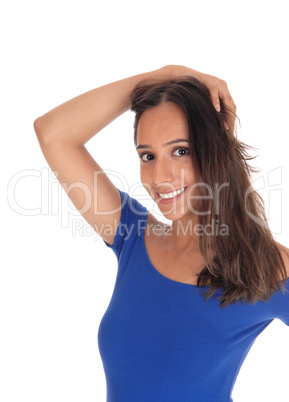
<point>166,144</point>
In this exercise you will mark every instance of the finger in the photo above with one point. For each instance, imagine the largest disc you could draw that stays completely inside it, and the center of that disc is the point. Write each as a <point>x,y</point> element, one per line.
<point>229,122</point>
<point>228,101</point>
<point>214,93</point>
<point>227,97</point>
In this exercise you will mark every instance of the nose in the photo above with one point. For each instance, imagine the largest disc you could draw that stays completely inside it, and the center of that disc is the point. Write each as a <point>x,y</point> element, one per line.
<point>163,172</point>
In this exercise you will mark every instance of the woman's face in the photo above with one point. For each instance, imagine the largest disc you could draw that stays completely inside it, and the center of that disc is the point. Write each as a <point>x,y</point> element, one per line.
<point>165,160</point>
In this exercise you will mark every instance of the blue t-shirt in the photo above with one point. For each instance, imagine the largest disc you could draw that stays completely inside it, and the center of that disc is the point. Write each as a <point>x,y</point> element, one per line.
<point>160,341</point>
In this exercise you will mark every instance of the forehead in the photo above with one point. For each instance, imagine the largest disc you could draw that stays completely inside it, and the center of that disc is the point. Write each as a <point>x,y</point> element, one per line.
<point>163,122</point>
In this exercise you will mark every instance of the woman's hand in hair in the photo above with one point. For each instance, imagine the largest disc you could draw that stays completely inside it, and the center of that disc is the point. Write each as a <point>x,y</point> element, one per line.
<point>217,87</point>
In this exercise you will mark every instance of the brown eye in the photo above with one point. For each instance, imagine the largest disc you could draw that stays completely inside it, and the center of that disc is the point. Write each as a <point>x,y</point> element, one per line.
<point>184,151</point>
<point>145,157</point>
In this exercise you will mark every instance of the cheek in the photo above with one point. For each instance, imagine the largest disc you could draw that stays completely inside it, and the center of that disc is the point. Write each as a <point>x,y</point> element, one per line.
<point>189,173</point>
<point>144,176</point>
<point>146,179</point>
<point>192,177</point>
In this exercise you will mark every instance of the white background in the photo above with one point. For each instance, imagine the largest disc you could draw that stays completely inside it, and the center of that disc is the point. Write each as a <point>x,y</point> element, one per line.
<point>55,283</point>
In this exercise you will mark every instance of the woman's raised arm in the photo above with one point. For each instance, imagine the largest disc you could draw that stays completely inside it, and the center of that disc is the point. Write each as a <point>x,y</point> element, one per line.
<point>63,131</point>
<point>79,119</point>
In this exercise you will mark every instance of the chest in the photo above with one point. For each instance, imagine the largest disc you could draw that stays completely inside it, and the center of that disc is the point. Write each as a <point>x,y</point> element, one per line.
<point>178,267</point>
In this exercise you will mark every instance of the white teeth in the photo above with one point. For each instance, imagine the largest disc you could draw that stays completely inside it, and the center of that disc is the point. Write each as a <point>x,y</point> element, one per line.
<point>173,194</point>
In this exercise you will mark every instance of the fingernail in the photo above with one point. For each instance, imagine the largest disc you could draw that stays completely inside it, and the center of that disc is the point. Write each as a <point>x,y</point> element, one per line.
<point>217,106</point>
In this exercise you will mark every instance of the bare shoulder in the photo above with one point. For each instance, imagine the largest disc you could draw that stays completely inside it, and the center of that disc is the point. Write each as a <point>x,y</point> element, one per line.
<point>284,251</point>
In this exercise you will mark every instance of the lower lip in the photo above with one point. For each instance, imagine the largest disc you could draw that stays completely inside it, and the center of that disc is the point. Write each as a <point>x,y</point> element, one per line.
<point>171,200</point>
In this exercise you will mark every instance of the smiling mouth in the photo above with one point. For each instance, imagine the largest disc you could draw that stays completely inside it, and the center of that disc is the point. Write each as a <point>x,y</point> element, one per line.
<point>172,194</point>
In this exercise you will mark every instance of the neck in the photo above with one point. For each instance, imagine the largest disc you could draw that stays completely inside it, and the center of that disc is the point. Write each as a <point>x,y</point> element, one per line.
<point>182,235</point>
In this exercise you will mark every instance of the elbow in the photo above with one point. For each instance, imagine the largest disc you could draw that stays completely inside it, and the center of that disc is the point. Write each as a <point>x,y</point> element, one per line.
<point>39,126</point>
<point>36,126</point>
<point>42,129</point>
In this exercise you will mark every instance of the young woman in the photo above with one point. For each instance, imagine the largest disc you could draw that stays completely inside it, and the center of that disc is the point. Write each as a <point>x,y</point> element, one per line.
<point>190,298</point>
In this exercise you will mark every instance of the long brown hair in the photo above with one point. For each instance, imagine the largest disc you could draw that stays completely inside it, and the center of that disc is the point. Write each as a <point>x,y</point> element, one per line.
<point>246,263</point>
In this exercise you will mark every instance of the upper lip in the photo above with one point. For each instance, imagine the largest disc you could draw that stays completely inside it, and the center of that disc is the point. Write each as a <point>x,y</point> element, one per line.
<point>171,191</point>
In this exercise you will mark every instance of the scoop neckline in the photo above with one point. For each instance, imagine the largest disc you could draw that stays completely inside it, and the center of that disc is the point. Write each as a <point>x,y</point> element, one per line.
<point>165,278</point>
<point>156,272</point>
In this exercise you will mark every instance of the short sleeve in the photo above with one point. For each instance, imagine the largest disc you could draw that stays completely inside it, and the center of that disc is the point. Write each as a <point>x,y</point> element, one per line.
<point>132,220</point>
<point>280,303</point>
